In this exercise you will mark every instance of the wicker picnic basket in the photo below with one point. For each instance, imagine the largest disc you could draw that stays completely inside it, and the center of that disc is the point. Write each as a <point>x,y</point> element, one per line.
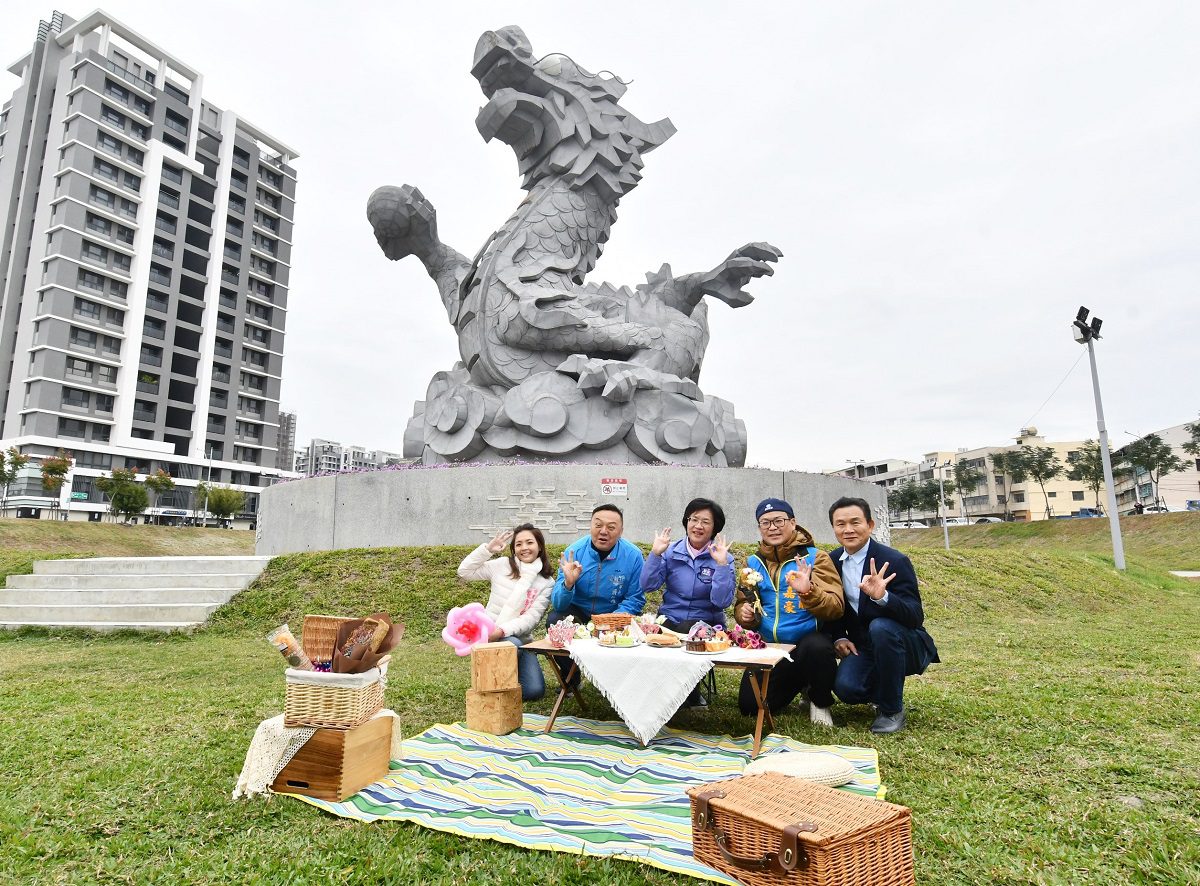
<point>612,621</point>
<point>332,701</point>
<point>773,829</point>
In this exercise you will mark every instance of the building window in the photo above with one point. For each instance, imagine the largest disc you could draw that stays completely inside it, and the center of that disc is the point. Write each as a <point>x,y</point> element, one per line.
<point>79,368</point>
<point>274,179</point>
<point>1052,495</point>
<point>108,143</point>
<point>110,345</point>
<point>98,225</point>
<point>171,174</point>
<point>111,117</point>
<point>95,252</point>
<point>237,204</point>
<point>89,280</point>
<point>106,375</point>
<point>76,398</point>
<point>104,169</point>
<point>71,427</point>
<point>239,181</point>
<point>1019,497</point>
<point>1076,495</point>
<point>122,262</point>
<point>168,198</point>
<point>101,197</point>
<point>88,310</point>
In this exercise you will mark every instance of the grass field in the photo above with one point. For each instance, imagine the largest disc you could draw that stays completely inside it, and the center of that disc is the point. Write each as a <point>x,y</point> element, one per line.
<point>1058,743</point>
<point>1171,541</point>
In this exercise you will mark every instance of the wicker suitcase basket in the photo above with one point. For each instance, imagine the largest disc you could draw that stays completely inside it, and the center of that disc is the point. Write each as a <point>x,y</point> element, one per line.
<point>332,701</point>
<point>774,829</point>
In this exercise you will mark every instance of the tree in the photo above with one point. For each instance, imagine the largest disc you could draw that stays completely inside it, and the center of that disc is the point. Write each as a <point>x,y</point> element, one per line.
<point>1192,446</point>
<point>904,497</point>
<point>930,498</point>
<point>1087,467</point>
<point>158,483</point>
<point>1009,464</point>
<point>11,463</point>
<point>54,473</point>
<point>1153,456</point>
<point>126,496</point>
<point>223,503</point>
<point>1042,465</point>
<point>200,497</point>
<point>966,478</point>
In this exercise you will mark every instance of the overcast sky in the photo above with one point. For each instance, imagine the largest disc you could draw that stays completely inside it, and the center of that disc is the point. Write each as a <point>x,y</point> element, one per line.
<point>948,182</point>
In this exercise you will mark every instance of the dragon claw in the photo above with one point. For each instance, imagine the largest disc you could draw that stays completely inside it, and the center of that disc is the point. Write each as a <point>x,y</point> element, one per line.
<point>405,223</point>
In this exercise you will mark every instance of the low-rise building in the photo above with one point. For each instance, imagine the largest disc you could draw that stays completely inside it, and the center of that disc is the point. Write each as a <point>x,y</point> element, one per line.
<point>330,457</point>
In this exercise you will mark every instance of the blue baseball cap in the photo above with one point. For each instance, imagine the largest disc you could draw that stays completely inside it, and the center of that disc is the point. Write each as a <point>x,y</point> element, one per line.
<point>771,505</point>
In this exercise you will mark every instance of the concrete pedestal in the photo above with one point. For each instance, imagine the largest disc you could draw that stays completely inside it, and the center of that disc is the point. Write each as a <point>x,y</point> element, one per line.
<point>468,504</point>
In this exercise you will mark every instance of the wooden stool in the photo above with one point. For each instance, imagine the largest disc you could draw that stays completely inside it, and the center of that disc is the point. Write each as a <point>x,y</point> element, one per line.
<point>494,699</point>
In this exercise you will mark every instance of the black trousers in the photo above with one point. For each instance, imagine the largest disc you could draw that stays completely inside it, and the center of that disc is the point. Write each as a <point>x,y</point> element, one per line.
<point>813,667</point>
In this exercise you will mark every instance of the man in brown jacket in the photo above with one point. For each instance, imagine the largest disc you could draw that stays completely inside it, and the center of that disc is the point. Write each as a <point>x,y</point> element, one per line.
<point>799,587</point>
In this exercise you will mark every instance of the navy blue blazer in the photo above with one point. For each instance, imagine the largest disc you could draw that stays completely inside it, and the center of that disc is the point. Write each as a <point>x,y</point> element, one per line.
<point>903,604</point>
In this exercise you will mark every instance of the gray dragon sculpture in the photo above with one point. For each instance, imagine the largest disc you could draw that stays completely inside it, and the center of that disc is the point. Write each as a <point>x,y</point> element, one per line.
<point>553,367</point>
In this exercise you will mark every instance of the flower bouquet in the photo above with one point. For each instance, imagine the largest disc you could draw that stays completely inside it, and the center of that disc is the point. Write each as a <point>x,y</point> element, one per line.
<point>748,581</point>
<point>650,623</point>
<point>746,639</point>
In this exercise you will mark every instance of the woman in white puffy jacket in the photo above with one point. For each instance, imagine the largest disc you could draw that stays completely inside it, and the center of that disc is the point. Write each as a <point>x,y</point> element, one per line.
<point>521,585</point>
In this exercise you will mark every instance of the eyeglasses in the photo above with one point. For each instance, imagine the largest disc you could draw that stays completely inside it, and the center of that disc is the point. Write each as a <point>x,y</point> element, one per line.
<point>773,523</point>
<point>699,521</point>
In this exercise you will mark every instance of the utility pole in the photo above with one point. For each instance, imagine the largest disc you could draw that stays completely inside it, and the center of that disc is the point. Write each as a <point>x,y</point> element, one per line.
<point>942,506</point>
<point>1086,333</point>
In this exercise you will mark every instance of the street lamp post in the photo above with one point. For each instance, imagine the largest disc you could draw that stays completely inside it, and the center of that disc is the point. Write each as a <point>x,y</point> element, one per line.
<point>1086,333</point>
<point>207,486</point>
<point>942,504</point>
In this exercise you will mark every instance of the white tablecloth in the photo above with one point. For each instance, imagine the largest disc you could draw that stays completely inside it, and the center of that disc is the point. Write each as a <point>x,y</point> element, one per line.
<point>645,684</point>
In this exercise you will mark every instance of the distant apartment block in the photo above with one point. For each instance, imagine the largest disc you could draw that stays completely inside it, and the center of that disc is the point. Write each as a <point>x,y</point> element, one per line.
<point>1175,491</point>
<point>328,457</point>
<point>145,250</point>
<point>996,495</point>
<point>285,456</point>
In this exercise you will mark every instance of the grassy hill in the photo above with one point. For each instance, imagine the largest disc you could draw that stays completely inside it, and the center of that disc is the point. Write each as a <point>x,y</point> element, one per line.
<point>1057,743</point>
<point>1171,541</point>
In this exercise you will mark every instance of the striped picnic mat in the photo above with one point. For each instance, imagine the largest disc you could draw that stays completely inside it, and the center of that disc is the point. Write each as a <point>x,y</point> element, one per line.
<point>588,788</point>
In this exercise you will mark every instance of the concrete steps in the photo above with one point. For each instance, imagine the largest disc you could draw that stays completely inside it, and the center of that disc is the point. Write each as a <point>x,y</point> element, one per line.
<point>116,593</point>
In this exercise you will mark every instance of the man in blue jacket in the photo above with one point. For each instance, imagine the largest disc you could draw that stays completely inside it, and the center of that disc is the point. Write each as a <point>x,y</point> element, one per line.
<point>599,573</point>
<point>881,637</point>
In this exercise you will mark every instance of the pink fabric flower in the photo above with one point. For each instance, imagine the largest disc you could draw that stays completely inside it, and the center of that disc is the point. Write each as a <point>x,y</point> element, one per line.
<point>466,626</point>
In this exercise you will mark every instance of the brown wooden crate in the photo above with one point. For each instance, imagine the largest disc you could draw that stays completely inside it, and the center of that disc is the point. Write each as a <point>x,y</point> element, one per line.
<point>337,763</point>
<point>498,713</point>
<point>494,667</point>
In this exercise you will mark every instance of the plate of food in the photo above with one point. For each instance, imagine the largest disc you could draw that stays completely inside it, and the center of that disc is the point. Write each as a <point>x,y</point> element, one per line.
<point>618,640</point>
<point>664,641</point>
<point>704,639</point>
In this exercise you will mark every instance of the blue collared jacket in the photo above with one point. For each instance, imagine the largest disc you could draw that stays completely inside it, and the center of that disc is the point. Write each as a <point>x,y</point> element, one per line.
<point>695,589</point>
<point>608,585</point>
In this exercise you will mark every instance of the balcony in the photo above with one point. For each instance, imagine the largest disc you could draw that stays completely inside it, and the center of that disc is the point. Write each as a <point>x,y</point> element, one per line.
<point>146,387</point>
<point>143,415</point>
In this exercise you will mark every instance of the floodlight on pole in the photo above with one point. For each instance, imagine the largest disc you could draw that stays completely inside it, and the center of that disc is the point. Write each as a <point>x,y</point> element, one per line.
<point>1087,334</point>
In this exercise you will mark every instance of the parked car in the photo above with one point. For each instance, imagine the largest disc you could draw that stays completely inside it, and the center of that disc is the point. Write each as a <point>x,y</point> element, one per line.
<point>908,524</point>
<point>989,520</point>
<point>1090,512</point>
<point>1156,509</point>
<point>957,521</point>
<point>1193,504</point>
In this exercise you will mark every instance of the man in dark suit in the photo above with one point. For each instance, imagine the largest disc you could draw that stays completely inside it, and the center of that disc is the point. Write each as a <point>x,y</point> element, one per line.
<point>880,638</point>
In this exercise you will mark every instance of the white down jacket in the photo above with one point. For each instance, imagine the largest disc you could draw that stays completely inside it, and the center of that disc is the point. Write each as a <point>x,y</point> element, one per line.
<point>516,605</point>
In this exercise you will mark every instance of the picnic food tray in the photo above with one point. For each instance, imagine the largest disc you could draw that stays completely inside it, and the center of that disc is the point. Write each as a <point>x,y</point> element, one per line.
<point>774,829</point>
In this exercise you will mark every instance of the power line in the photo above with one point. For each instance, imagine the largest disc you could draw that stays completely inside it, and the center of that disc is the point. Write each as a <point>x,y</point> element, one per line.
<point>1038,411</point>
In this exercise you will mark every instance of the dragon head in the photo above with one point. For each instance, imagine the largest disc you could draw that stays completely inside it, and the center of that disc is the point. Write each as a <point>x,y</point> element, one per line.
<point>560,120</point>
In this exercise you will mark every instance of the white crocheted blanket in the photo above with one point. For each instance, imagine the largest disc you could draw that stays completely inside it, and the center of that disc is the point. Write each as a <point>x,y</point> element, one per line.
<point>273,747</point>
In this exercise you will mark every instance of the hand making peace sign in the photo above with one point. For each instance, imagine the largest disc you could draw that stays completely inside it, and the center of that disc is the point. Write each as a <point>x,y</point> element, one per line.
<point>875,584</point>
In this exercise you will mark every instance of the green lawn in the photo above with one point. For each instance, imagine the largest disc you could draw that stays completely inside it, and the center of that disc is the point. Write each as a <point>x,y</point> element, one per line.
<point>1171,541</point>
<point>1066,691</point>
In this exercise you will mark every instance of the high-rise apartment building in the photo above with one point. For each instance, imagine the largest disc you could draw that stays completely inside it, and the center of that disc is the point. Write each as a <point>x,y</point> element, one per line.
<point>329,457</point>
<point>285,456</point>
<point>145,248</point>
